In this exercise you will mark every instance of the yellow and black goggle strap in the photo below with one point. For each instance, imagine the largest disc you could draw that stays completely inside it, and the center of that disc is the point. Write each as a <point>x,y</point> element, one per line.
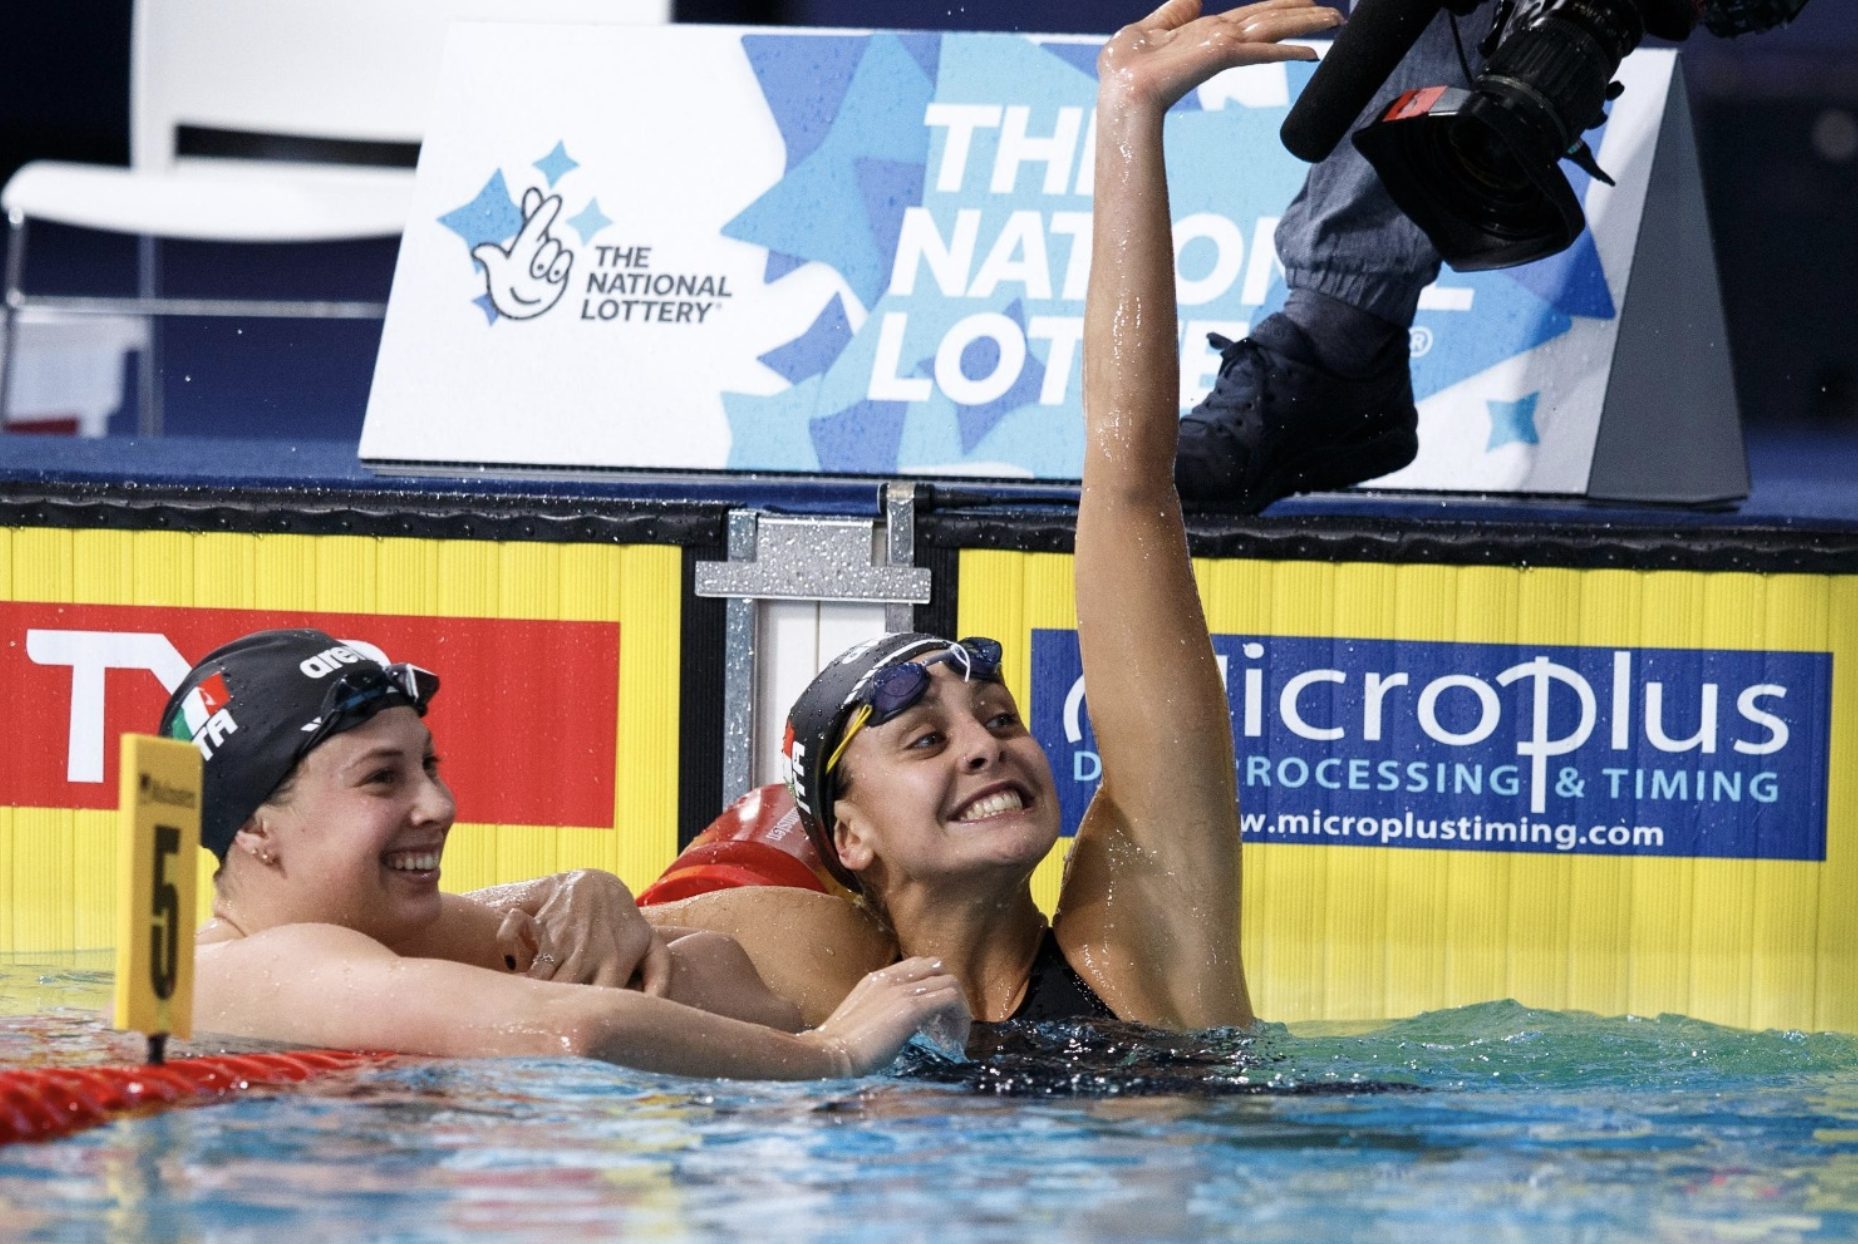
<point>853,725</point>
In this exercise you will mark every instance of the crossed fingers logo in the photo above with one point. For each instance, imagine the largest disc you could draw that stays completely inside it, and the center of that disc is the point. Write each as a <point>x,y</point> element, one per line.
<point>530,275</point>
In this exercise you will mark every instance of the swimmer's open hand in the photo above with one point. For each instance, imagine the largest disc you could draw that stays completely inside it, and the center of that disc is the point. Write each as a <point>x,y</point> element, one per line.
<point>885,1009</point>
<point>1159,59</point>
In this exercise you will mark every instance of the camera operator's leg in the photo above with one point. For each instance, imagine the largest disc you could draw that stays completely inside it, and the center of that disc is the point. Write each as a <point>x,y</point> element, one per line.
<point>1319,396</point>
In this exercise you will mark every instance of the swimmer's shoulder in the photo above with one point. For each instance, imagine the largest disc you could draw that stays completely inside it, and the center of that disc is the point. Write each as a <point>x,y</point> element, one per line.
<point>787,910</point>
<point>216,932</point>
<point>810,948</point>
<point>219,944</point>
<point>255,985</point>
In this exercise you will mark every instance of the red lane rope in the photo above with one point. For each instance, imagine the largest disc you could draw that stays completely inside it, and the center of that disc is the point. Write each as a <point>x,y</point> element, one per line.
<point>39,1103</point>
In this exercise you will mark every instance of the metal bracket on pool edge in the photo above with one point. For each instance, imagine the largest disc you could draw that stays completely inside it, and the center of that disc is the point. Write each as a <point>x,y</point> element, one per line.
<point>776,557</point>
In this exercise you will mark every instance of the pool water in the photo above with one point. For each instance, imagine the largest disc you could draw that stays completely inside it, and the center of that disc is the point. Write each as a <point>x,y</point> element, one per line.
<point>1488,1123</point>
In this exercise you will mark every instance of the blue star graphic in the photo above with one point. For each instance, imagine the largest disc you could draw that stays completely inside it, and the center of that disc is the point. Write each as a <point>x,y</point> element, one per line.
<point>1573,282</point>
<point>812,352</point>
<point>1509,320</point>
<point>773,433</point>
<point>780,265</point>
<point>483,303</point>
<point>862,439</point>
<point>871,154</point>
<point>1513,423</point>
<point>925,48</point>
<point>590,221</point>
<point>490,217</point>
<point>1080,56</point>
<point>804,78</point>
<point>557,164</point>
<point>979,359</point>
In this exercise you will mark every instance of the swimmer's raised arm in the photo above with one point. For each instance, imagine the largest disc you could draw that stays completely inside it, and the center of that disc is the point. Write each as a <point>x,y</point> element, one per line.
<point>321,984</point>
<point>1151,895</point>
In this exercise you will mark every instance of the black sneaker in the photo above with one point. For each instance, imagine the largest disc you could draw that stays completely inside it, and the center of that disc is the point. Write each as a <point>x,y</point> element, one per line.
<point>1277,422</point>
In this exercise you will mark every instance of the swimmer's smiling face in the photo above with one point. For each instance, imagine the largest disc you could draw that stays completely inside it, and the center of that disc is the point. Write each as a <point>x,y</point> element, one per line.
<point>954,788</point>
<point>360,828</point>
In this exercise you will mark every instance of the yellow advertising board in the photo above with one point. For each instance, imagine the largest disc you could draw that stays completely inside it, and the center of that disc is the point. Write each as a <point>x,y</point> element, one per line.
<point>557,720</point>
<point>1607,790</point>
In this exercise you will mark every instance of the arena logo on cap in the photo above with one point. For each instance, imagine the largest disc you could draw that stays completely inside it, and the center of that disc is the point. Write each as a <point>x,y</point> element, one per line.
<point>329,660</point>
<point>1696,752</point>
<point>526,267</point>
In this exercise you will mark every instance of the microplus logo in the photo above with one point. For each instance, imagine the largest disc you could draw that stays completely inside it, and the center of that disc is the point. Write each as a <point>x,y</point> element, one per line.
<point>1663,751</point>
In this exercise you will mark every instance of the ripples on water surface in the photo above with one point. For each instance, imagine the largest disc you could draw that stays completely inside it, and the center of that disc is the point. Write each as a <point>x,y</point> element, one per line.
<point>1490,1122</point>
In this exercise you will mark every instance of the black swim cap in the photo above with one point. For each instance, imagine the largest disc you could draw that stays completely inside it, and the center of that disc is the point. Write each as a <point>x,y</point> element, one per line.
<point>258,705</point>
<point>818,718</point>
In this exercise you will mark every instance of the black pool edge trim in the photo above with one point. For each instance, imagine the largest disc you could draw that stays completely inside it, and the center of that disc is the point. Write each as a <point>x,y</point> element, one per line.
<point>1027,528</point>
<point>1741,548</point>
<point>421,514</point>
<point>701,716</point>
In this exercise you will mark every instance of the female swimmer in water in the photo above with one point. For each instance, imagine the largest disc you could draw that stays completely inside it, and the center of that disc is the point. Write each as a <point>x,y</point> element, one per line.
<point>908,760</point>
<point>324,804</point>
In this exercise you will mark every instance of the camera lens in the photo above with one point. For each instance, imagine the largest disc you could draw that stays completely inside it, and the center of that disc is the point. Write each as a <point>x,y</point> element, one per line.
<point>1478,168</point>
<point>1481,159</point>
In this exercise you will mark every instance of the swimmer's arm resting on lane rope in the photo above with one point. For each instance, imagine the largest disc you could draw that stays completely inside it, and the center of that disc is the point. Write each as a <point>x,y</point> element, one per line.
<point>324,985</point>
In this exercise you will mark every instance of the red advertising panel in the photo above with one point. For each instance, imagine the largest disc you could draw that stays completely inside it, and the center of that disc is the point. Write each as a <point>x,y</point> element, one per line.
<point>526,719</point>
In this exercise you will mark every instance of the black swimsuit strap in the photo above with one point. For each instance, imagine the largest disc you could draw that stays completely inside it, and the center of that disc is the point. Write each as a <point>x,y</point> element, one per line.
<point>1054,990</point>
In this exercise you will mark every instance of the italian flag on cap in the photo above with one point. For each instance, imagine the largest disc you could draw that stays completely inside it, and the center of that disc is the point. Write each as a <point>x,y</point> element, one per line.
<point>201,703</point>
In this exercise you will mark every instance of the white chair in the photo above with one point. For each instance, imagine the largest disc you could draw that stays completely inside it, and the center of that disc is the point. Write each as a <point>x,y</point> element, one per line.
<point>66,371</point>
<point>342,84</point>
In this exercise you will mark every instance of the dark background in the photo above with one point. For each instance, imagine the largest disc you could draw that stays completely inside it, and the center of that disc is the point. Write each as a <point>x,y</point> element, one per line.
<point>1777,123</point>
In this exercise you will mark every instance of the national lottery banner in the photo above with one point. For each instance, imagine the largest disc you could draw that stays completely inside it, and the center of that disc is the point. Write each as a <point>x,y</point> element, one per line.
<point>866,253</point>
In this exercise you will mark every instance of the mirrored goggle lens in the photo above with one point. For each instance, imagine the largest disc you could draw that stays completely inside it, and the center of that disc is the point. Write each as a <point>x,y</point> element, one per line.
<point>361,687</point>
<point>984,656</point>
<point>898,687</point>
<point>416,684</point>
<point>895,688</point>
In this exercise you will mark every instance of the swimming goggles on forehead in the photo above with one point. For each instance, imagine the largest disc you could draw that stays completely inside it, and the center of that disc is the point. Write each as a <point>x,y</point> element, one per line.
<point>895,689</point>
<point>362,687</point>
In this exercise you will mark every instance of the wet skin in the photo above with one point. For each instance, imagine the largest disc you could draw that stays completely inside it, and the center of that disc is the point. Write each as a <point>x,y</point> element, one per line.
<point>335,871</point>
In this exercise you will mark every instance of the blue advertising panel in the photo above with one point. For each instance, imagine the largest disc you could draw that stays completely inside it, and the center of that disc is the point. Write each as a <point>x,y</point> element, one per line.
<point>1692,752</point>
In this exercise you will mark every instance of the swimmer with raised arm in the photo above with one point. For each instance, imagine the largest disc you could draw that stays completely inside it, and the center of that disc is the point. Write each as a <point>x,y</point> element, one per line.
<point>912,769</point>
<point>325,807</point>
